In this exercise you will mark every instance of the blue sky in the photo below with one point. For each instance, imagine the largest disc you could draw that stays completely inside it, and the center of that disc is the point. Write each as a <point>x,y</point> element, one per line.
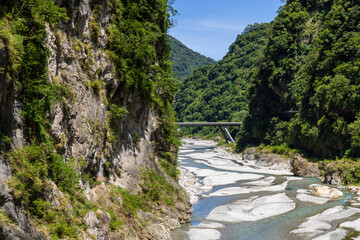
<point>210,26</point>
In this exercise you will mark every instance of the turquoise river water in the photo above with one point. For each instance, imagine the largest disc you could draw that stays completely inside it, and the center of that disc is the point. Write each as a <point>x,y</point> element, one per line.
<point>243,201</point>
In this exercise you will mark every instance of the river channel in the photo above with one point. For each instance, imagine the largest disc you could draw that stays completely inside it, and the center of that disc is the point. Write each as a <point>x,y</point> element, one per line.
<point>240,200</point>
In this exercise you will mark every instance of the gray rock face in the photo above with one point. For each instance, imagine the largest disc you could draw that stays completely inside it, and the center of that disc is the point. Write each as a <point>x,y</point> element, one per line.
<point>10,120</point>
<point>332,177</point>
<point>271,160</point>
<point>22,227</point>
<point>53,194</point>
<point>301,167</point>
<point>79,124</point>
<point>158,231</point>
<point>98,224</point>
<point>331,173</point>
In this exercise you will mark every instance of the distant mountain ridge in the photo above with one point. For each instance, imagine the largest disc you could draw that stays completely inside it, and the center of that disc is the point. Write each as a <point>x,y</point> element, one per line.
<point>218,92</point>
<point>186,60</point>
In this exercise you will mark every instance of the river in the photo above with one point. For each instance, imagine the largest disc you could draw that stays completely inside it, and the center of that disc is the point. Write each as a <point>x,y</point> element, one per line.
<point>240,200</point>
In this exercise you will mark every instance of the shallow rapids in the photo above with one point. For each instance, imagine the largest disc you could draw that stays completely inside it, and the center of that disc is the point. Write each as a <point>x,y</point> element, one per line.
<point>239,200</point>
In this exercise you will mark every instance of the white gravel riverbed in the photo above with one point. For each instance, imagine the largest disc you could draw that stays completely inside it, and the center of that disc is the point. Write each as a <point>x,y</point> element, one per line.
<point>229,193</point>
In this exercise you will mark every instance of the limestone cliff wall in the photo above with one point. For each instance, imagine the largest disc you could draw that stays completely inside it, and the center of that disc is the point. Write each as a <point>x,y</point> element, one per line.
<point>78,60</point>
<point>80,123</point>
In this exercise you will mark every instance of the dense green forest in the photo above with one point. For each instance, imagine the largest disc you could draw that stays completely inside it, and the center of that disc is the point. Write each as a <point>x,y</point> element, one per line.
<point>298,78</point>
<point>218,92</point>
<point>185,60</point>
<point>310,66</point>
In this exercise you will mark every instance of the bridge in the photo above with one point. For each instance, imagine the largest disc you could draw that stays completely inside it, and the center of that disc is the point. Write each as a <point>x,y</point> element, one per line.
<point>221,125</point>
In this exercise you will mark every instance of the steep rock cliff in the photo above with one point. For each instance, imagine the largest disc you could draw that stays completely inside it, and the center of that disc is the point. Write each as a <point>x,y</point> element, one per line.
<point>115,134</point>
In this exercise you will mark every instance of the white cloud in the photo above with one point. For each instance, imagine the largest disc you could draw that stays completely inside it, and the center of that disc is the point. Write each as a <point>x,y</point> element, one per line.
<point>214,24</point>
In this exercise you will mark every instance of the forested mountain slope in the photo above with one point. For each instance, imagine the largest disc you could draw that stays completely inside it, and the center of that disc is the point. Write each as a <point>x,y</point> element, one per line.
<point>185,60</point>
<point>310,65</point>
<point>88,146</point>
<point>218,92</point>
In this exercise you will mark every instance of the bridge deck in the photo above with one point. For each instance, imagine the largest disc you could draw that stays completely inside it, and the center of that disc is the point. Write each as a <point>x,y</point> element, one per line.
<point>208,124</point>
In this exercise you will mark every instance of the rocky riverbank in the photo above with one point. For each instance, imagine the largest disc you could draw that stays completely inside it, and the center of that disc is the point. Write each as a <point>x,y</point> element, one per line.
<point>332,173</point>
<point>191,184</point>
<point>296,164</point>
<point>243,196</point>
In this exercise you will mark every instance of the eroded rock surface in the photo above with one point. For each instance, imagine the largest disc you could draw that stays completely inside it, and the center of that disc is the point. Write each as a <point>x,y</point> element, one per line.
<point>324,191</point>
<point>98,224</point>
<point>79,126</point>
<point>271,160</point>
<point>301,167</point>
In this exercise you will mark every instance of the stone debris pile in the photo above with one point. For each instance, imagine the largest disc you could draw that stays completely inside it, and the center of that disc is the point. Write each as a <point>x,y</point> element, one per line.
<point>191,184</point>
<point>354,189</point>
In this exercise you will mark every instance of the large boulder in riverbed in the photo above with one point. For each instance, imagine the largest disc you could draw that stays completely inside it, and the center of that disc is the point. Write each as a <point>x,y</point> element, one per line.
<point>335,193</point>
<point>301,167</point>
<point>324,191</point>
<point>321,191</point>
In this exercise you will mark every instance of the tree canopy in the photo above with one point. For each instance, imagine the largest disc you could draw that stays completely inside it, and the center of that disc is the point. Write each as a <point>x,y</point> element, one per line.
<point>218,92</point>
<point>184,60</point>
<point>310,66</point>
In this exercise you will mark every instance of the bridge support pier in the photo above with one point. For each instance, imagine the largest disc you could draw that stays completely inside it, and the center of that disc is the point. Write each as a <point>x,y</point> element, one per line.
<point>221,125</point>
<point>226,134</point>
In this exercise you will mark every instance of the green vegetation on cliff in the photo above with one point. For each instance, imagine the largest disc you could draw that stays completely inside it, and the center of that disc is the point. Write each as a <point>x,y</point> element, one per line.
<point>23,30</point>
<point>218,92</point>
<point>22,27</point>
<point>138,47</point>
<point>184,60</point>
<point>310,66</point>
